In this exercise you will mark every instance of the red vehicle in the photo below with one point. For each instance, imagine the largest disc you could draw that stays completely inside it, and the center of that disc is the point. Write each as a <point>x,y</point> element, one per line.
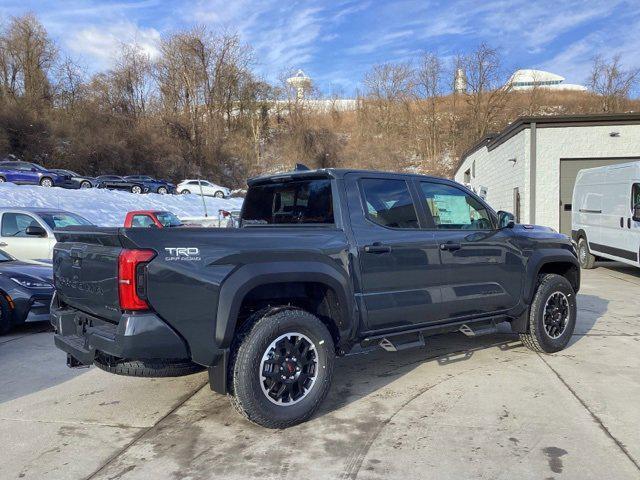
<point>151,219</point>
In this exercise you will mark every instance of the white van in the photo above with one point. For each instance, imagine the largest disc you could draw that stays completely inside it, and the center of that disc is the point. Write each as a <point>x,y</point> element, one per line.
<point>606,214</point>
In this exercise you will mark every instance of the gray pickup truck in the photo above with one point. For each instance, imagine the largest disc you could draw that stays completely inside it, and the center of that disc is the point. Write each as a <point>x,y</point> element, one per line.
<point>323,261</point>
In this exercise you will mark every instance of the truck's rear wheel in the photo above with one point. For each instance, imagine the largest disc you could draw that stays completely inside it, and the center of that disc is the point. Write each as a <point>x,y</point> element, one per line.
<point>552,316</point>
<point>281,371</point>
<point>585,257</point>
<point>146,368</point>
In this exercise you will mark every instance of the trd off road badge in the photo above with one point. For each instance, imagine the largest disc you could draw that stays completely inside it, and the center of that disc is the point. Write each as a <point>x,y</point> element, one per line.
<point>184,254</point>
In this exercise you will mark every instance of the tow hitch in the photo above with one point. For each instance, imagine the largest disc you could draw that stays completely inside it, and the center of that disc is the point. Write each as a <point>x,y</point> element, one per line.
<point>73,362</point>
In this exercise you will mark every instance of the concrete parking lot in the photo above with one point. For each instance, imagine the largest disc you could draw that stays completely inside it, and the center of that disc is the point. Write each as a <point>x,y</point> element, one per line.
<point>458,408</point>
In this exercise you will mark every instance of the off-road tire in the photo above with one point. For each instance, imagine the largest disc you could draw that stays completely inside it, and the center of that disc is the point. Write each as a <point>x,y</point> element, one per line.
<point>46,182</point>
<point>586,259</point>
<point>536,337</point>
<point>252,342</point>
<point>146,368</point>
<point>5,316</point>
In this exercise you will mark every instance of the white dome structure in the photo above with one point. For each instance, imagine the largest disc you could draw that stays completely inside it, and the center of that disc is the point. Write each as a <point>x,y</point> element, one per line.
<point>528,79</point>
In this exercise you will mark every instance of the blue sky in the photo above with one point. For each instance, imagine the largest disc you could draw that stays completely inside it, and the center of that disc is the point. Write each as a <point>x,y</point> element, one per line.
<point>336,42</point>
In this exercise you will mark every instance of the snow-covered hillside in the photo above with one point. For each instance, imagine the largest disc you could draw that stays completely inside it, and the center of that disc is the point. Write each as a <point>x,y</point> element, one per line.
<point>108,207</point>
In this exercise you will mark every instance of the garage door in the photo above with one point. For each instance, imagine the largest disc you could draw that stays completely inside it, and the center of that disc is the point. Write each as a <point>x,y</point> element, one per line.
<point>569,168</point>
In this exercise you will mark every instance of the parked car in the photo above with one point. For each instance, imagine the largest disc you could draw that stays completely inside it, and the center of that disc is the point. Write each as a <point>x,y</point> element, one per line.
<point>151,219</point>
<point>323,261</point>
<point>155,186</point>
<point>25,292</point>
<point>115,182</point>
<point>27,173</point>
<point>27,233</point>
<point>209,189</point>
<point>606,214</point>
<point>77,180</point>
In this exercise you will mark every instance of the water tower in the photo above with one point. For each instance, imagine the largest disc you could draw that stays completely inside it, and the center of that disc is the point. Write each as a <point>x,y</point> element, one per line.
<point>460,81</point>
<point>301,83</point>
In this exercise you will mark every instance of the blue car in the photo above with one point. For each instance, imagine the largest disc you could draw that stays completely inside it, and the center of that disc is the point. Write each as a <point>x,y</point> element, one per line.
<point>27,173</point>
<point>152,185</point>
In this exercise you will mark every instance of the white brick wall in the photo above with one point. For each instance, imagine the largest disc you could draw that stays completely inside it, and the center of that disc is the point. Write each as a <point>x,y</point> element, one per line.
<point>500,176</point>
<point>494,171</point>
<point>575,142</point>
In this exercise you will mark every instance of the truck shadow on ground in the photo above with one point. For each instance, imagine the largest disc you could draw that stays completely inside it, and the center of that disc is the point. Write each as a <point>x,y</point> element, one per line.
<point>380,367</point>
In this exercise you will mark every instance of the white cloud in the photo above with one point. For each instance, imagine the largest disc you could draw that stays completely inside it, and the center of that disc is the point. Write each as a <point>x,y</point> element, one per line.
<point>103,43</point>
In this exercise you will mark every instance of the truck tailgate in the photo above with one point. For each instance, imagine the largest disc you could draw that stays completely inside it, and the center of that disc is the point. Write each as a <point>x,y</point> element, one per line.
<point>85,270</point>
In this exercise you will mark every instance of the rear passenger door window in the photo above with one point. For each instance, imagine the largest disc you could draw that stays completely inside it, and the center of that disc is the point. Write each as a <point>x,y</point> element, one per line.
<point>454,209</point>
<point>388,203</point>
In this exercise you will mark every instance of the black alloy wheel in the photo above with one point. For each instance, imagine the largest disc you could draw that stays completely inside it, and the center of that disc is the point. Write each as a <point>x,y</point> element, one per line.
<point>288,368</point>
<point>556,314</point>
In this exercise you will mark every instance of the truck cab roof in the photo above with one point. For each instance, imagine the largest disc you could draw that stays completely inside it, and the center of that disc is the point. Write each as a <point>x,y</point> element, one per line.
<point>334,173</point>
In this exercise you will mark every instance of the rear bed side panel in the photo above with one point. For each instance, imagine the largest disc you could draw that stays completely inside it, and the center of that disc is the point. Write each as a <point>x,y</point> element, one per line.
<point>184,287</point>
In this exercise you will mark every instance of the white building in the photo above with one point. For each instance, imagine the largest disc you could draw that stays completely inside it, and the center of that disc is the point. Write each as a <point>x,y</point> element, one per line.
<point>530,167</point>
<point>529,79</point>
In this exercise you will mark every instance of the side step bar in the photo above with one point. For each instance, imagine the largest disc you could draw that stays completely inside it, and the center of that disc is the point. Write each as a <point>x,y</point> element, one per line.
<point>478,330</point>
<point>402,342</point>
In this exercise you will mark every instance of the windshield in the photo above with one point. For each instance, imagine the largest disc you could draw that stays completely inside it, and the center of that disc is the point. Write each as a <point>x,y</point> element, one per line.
<point>289,202</point>
<point>168,219</point>
<point>59,220</point>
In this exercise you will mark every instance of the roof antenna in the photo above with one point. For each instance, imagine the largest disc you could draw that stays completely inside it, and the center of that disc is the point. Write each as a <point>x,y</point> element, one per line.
<point>301,168</point>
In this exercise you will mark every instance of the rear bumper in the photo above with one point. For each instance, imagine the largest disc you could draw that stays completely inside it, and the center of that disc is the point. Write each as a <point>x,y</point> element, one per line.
<point>137,336</point>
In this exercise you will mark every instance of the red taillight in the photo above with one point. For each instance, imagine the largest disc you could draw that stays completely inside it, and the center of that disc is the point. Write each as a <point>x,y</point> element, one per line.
<point>131,285</point>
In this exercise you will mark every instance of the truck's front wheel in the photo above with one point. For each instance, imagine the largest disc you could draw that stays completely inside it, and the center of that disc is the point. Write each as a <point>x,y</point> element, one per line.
<point>552,315</point>
<point>282,369</point>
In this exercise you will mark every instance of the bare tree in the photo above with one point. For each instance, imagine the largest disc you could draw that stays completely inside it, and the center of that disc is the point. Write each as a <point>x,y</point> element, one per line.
<point>487,91</point>
<point>390,89</point>
<point>429,89</point>
<point>29,54</point>
<point>612,83</point>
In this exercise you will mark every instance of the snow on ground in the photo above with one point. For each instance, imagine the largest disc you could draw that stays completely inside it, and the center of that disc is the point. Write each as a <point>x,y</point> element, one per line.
<point>108,208</point>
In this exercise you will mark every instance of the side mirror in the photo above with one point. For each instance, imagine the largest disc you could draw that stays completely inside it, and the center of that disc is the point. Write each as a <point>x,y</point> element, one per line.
<point>33,169</point>
<point>636,212</point>
<point>506,219</point>
<point>36,231</point>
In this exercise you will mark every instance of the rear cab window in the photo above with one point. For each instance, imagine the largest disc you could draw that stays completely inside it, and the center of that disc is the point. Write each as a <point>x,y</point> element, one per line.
<point>388,203</point>
<point>289,202</point>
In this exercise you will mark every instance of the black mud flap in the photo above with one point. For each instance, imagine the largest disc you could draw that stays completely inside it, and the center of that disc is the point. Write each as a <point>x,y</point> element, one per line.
<point>218,374</point>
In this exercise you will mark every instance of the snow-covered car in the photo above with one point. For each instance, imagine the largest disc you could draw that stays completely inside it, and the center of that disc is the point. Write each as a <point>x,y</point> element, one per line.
<point>25,292</point>
<point>77,180</point>
<point>209,189</point>
<point>27,173</point>
<point>27,233</point>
